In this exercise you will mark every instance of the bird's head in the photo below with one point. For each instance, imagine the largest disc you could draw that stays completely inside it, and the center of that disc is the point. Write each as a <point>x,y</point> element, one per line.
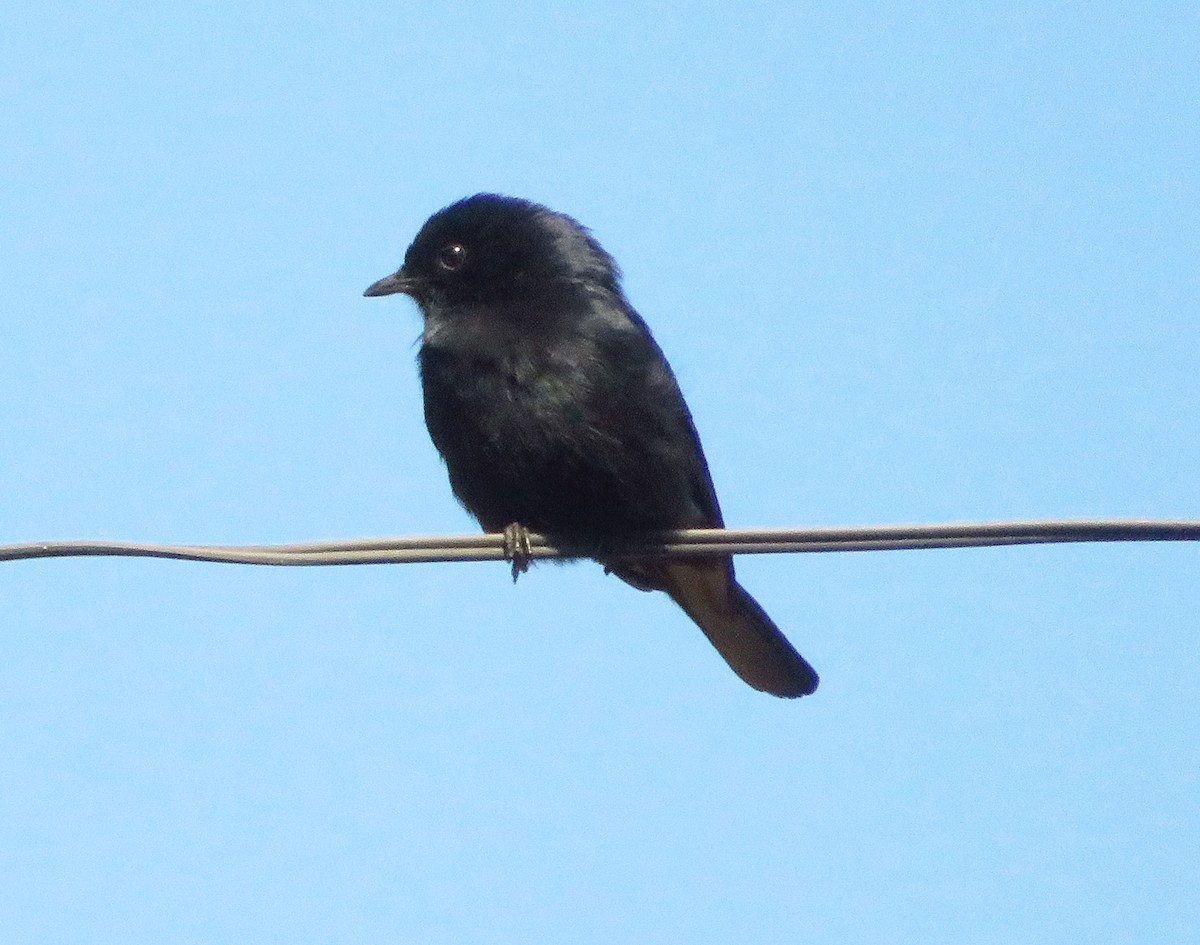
<point>502,250</point>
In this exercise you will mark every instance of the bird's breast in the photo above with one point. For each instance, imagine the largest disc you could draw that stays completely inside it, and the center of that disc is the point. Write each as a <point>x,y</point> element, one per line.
<point>504,397</point>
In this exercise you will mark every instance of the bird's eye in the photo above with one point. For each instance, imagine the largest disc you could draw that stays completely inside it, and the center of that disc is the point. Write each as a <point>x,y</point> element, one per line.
<point>451,257</point>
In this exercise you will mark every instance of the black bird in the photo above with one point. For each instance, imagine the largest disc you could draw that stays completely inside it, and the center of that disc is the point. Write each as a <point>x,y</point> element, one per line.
<point>555,411</point>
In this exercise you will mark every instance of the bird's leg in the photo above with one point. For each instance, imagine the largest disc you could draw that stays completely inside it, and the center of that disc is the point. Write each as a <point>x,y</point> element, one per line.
<point>517,549</point>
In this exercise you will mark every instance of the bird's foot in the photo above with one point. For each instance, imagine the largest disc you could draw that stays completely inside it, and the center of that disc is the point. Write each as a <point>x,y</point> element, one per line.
<point>517,549</point>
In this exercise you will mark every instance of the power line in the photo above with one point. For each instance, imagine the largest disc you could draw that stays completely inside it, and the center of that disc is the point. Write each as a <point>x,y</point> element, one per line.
<point>692,542</point>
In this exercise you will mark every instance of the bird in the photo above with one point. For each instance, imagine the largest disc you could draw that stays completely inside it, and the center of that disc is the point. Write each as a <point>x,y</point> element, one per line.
<point>555,411</point>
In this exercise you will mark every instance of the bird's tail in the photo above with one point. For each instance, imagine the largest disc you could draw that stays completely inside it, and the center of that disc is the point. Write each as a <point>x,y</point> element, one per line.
<point>732,620</point>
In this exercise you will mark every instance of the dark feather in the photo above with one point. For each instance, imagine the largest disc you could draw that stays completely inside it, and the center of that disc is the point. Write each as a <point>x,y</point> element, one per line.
<point>554,408</point>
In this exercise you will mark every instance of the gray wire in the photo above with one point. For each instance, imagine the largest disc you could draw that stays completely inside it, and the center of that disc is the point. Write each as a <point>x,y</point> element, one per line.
<point>698,542</point>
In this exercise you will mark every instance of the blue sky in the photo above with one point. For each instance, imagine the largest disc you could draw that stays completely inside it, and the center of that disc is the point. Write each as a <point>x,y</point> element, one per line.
<point>912,263</point>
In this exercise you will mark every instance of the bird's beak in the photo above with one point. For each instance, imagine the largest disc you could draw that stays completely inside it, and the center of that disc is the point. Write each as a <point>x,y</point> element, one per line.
<point>389,285</point>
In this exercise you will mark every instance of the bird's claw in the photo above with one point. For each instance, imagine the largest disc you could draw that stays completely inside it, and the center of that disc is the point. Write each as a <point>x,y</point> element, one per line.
<point>518,550</point>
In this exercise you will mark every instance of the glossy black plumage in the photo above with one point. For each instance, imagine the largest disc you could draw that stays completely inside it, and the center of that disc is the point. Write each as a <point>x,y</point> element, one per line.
<point>554,408</point>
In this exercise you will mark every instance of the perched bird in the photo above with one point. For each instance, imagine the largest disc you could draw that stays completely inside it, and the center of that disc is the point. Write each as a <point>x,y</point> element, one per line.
<point>555,411</point>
